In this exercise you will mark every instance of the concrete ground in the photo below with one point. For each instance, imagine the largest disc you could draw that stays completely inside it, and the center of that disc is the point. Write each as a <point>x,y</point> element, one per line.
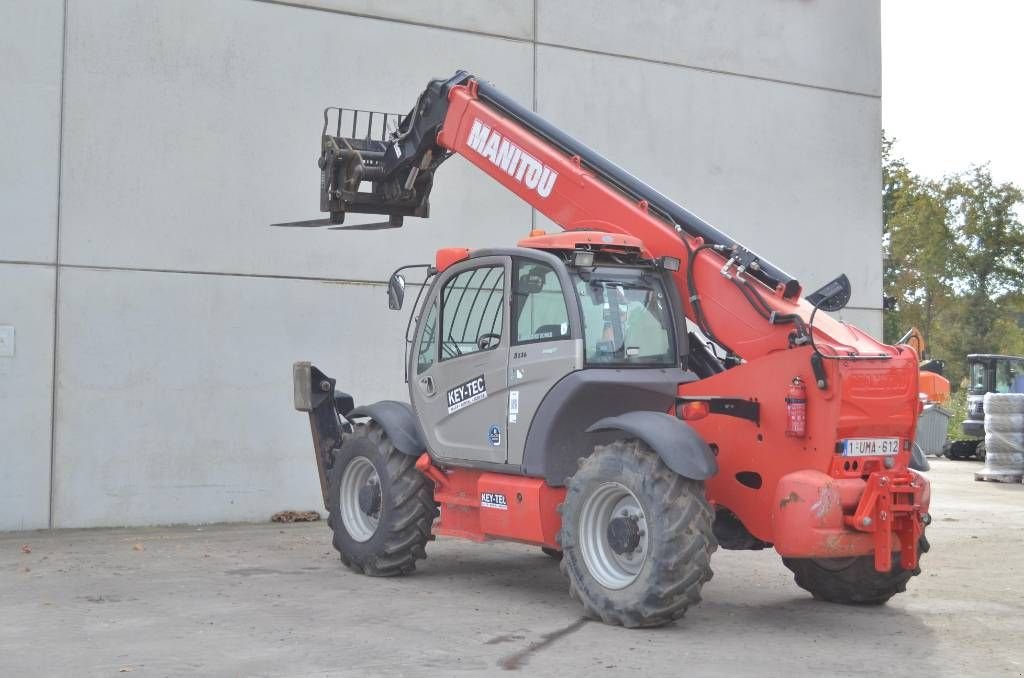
<point>239,600</point>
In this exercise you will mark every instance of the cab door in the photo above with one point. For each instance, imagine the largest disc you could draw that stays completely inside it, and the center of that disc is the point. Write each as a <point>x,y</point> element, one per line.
<point>458,379</point>
<point>545,342</point>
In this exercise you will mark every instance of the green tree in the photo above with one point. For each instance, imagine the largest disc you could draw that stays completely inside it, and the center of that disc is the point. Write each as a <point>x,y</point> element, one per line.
<point>917,244</point>
<point>988,256</point>
<point>954,257</point>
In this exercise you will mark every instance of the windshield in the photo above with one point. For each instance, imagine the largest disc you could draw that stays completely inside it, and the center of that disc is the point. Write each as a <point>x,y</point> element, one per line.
<point>626,318</point>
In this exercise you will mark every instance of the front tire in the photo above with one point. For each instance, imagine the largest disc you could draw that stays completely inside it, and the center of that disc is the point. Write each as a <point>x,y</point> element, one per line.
<point>853,581</point>
<point>382,508</point>
<point>636,537</point>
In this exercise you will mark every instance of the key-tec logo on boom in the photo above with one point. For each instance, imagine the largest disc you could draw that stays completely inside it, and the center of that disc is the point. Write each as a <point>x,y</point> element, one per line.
<point>519,164</point>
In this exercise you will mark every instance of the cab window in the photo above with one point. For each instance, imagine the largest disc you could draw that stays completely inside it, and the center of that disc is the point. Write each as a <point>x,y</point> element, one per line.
<point>427,353</point>
<point>1008,377</point>
<point>626,320</point>
<point>471,311</point>
<point>538,306</point>
<point>978,385</point>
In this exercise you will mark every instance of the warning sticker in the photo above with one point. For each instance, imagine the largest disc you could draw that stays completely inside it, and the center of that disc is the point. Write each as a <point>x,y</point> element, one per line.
<point>466,393</point>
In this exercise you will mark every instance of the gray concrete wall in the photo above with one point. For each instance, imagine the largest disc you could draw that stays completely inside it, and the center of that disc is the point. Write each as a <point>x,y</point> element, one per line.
<point>152,142</point>
<point>31,55</point>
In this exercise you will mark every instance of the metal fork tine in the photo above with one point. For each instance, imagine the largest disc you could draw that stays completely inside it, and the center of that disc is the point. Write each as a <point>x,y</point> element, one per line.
<point>312,223</point>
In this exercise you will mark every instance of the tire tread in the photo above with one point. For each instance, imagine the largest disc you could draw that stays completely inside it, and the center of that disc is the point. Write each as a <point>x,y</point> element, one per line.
<point>857,584</point>
<point>411,511</point>
<point>682,565</point>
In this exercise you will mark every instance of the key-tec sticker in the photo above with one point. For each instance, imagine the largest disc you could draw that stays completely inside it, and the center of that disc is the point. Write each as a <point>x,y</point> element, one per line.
<point>466,393</point>
<point>493,500</point>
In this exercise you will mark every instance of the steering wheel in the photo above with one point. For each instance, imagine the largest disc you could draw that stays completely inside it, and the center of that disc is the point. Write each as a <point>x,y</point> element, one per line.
<point>484,340</point>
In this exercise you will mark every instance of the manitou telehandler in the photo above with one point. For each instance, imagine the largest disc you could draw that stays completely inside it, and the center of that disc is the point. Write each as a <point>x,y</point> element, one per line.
<point>559,397</point>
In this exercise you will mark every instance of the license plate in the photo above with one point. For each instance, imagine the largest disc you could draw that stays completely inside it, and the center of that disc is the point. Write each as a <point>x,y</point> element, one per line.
<point>871,447</point>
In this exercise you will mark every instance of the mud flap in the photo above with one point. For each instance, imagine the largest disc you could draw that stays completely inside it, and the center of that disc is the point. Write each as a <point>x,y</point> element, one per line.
<point>399,421</point>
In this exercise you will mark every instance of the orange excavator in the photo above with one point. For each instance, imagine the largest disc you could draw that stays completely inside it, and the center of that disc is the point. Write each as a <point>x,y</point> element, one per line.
<point>628,394</point>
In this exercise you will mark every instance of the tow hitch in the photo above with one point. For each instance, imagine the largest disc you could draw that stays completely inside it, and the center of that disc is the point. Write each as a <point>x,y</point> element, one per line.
<point>892,504</point>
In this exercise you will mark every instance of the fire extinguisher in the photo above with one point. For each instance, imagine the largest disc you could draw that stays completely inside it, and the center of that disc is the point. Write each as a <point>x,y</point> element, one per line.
<point>796,409</point>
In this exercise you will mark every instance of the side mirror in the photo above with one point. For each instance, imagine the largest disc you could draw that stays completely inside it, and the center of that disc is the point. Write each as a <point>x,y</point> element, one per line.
<point>396,292</point>
<point>832,296</point>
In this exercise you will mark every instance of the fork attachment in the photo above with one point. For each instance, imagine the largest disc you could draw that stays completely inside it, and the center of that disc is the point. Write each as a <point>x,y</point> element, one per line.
<point>395,154</point>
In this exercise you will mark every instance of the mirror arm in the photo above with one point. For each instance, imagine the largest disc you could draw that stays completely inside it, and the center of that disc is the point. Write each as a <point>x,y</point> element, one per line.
<point>395,300</point>
<point>430,269</point>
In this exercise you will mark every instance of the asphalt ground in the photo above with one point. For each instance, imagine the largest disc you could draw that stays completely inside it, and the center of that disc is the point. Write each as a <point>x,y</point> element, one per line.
<point>274,600</point>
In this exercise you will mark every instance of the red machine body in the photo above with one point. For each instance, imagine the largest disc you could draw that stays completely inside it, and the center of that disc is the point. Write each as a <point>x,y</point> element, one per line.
<point>808,502</point>
<point>478,505</point>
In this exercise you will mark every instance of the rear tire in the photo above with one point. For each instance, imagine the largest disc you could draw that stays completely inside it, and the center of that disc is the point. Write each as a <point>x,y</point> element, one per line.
<point>382,508</point>
<point>853,581</point>
<point>636,537</point>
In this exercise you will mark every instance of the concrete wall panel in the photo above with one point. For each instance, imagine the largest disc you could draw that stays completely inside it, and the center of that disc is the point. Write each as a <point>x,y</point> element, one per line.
<point>512,18</point>
<point>189,127</point>
<point>26,379</point>
<point>792,172</point>
<point>824,43</point>
<point>175,397</point>
<point>31,49</point>
<point>868,320</point>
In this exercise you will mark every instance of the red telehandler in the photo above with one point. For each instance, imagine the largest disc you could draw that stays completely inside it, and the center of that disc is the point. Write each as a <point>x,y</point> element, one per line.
<point>628,394</point>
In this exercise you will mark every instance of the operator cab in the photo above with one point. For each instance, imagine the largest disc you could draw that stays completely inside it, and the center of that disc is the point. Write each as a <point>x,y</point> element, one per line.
<point>504,336</point>
<point>989,373</point>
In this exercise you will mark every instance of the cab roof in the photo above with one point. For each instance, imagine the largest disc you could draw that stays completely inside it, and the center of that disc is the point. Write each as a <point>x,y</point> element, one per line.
<point>584,239</point>
<point>599,241</point>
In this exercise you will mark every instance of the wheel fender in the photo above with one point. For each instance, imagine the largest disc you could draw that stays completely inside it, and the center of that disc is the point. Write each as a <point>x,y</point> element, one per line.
<point>679,446</point>
<point>399,421</point>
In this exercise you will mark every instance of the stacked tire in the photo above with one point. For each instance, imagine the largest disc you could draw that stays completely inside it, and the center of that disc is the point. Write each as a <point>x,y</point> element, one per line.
<point>1004,438</point>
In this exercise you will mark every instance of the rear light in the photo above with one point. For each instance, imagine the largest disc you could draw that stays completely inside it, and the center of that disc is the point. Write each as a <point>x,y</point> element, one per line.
<point>695,409</point>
